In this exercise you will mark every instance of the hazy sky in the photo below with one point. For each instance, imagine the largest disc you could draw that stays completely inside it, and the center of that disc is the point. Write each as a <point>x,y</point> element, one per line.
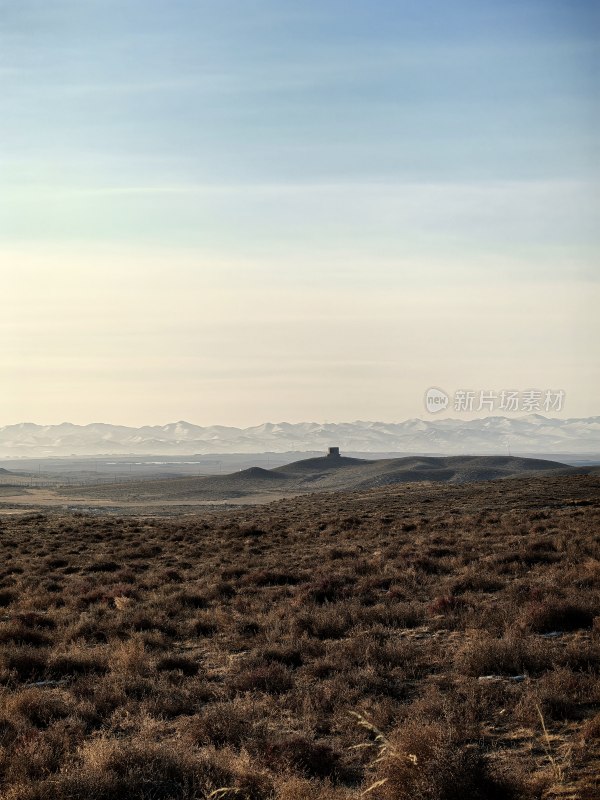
<point>234,211</point>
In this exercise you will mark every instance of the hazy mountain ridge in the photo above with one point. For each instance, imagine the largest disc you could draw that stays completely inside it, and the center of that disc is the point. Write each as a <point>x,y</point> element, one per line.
<point>530,434</point>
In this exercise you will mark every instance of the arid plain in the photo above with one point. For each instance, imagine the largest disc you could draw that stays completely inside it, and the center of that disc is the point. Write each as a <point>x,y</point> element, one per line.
<point>418,640</point>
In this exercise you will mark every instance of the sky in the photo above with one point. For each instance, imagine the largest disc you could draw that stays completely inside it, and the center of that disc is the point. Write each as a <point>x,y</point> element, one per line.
<point>239,211</point>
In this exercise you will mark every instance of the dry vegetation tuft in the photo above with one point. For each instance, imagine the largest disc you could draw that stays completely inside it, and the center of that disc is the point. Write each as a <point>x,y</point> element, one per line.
<point>414,643</point>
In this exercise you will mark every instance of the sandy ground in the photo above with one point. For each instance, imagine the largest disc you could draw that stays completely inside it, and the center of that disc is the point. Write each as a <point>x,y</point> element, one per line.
<point>33,500</point>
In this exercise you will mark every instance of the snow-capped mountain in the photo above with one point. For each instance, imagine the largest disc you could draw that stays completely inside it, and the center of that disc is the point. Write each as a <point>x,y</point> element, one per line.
<point>491,435</point>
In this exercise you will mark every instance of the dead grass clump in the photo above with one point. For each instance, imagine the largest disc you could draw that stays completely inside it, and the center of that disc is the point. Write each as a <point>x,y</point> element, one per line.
<point>560,694</point>
<point>141,552</point>
<point>446,604</point>
<point>310,757</point>
<point>429,566</point>
<point>431,761</point>
<point>477,583</point>
<point>31,619</point>
<point>286,654</point>
<point>6,598</point>
<point>222,590</point>
<point>228,724</point>
<point>186,666</point>
<point>582,657</point>
<point>193,600</point>
<point>251,531</point>
<point>76,661</point>
<point>272,577</point>
<point>37,756</point>
<point>205,625</point>
<point>544,617</point>
<point>324,622</point>
<point>510,655</point>
<point>130,658</point>
<point>540,552</point>
<point>21,663</point>
<point>141,622</point>
<point>18,633</point>
<point>247,627</point>
<point>326,589</point>
<point>590,730</point>
<point>294,788</point>
<point>103,566</point>
<point>392,614</point>
<point>337,553</point>
<point>144,770</point>
<point>267,677</point>
<point>94,628</point>
<point>39,707</point>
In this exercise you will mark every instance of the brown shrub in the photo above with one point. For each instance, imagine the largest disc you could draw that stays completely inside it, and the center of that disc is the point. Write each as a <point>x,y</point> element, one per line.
<point>511,655</point>
<point>205,625</point>
<point>18,633</point>
<point>230,724</point>
<point>446,604</point>
<point>309,789</point>
<point>272,577</point>
<point>147,771</point>
<point>324,622</point>
<point>24,663</point>
<point>187,666</point>
<point>76,662</point>
<point>327,589</point>
<point>271,678</point>
<point>193,600</point>
<point>590,730</point>
<point>31,619</point>
<point>315,759</point>
<point>430,761</point>
<point>39,707</point>
<point>558,694</point>
<point>544,617</point>
<point>6,598</point>
<point>103,566</point>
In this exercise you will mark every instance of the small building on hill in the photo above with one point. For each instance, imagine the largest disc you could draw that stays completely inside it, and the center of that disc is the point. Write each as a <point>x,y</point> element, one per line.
<point>334,452</point>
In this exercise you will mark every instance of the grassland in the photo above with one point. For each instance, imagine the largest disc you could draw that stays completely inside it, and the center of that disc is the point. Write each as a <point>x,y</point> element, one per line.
<point>416,641</point>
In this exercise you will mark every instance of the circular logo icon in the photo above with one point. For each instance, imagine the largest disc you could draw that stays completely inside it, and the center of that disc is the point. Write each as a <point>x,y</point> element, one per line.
<point>436,400</point>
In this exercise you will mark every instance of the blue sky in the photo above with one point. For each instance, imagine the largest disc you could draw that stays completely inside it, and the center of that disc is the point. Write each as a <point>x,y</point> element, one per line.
<point>290,168</point>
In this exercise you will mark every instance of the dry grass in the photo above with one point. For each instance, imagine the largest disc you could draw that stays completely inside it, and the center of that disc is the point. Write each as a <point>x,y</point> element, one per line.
<point>420,642</point>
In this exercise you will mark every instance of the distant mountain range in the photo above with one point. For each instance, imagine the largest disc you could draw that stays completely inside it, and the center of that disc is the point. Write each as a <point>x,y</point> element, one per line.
<point>531,434</point>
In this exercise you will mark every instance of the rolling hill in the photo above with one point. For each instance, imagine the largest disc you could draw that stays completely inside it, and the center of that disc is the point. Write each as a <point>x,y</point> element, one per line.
<point>327,474</point>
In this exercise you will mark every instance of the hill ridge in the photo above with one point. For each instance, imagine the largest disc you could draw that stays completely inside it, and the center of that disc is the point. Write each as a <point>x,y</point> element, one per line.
<point>326,474</point>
